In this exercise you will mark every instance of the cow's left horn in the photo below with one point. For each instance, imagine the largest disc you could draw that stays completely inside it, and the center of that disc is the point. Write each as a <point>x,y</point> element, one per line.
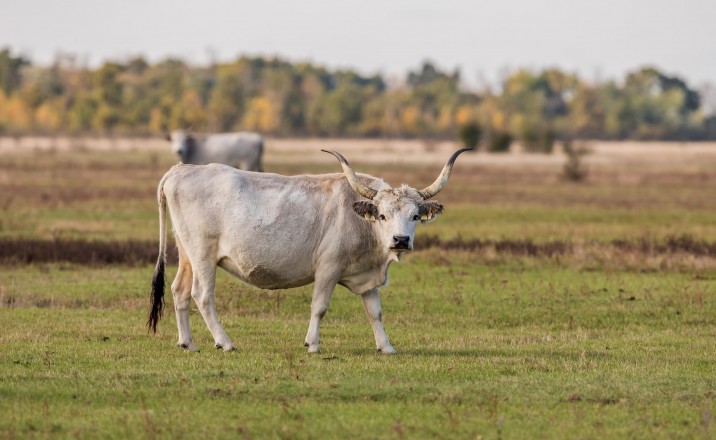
<point>356,184</point>
<point>442,179</point>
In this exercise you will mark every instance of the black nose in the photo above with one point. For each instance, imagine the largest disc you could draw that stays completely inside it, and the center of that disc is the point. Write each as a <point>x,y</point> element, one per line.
<point>401,241</point>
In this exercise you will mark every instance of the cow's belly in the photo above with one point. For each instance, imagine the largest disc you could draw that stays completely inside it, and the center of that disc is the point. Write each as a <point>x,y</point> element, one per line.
<point>267,277</point>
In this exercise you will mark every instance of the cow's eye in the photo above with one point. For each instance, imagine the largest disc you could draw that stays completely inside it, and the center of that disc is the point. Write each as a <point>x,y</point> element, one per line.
<point>416,218</point>
<point>382,217</point>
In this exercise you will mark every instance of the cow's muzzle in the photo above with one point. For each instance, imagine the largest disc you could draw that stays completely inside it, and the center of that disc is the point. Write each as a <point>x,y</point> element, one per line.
<point>401,242</point>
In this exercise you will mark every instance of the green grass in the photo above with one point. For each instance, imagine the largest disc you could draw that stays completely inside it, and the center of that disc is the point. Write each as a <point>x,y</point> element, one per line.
<point>518,350</point>
<point>571,223</point>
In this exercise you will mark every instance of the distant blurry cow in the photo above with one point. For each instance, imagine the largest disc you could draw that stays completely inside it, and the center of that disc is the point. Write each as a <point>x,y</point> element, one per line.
<point>243,150</point>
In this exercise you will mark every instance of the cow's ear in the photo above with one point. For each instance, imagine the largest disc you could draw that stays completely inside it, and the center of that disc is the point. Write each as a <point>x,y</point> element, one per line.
<point>366,209</point>
<point>430,210</point>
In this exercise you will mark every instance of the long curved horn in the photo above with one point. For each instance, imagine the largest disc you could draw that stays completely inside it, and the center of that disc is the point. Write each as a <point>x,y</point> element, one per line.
<point>442,179</point>
<point>361,189</point>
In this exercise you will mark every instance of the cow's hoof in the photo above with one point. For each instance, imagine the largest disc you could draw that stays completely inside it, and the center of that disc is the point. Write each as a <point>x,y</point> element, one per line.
<point>225,347</point>
<point>387,350</point>
<point>313,349</point>
<point>188,347</point>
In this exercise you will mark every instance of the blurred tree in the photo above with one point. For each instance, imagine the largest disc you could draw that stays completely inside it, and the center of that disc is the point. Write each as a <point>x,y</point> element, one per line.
<point>170,79</point>
<point>261,115</point>
<point>293,111</point>
<point>709,127</point>
<point>336,112</point>
<point>82,112</point>
<point>157,122</point>
<point>188,112</point>
<point>108,93</point>
<point>226,104</point>
<point>437,96</point>
<point>48,117</point>
<point>429,74</point>
<point>15,115</point>
<point>374,117</point>
<point>108,89</point>
<point>538,106</point>
<point>10,71</point>
<point>586,112</point>
<point>410,120</point>
<point>655,105</point>
<point>137,66</point>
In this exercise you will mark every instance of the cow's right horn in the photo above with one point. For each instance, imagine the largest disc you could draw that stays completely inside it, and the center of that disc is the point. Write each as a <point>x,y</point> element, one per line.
<point>442,179</point>
<point>356,184</point>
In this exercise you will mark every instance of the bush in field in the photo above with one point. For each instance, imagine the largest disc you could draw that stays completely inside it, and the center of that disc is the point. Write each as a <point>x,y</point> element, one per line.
<point>538,140</point>
<point>470,134</point>
<point>574,169</point>
<point>499,142</point>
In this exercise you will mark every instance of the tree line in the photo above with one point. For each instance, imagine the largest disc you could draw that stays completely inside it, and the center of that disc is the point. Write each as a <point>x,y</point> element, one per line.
<point>281,98</point>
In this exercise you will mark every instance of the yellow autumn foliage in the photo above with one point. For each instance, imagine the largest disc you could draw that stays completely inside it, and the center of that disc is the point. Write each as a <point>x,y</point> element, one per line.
<point>410,117</point>
<point>261,115</point>
<point>464,115</point>
<point>15,115</point>
<point>48,117</point>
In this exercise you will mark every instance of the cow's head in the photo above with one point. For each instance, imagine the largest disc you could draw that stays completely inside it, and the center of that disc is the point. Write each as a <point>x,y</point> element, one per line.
<point>397,211</point>
<point>182,144</point>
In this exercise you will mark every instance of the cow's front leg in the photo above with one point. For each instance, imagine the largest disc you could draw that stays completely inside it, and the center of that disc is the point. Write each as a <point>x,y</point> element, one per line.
<point>322,291</point>
<point>371,302</point>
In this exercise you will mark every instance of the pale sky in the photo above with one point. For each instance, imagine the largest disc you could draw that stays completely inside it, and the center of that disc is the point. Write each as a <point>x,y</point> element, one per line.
<point>598,39</point>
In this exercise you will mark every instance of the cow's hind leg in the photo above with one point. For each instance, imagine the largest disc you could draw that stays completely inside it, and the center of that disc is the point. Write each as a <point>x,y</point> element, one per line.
<point>181,291</point>
<point>203,293</point>
<point>371,302</point>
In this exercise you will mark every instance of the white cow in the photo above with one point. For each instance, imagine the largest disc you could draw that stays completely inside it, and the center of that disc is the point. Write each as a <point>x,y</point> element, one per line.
<point>243,150</point>
<point>278,232</point>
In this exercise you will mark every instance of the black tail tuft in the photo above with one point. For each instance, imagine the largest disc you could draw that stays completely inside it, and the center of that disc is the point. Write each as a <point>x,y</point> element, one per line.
<point>156,297</point>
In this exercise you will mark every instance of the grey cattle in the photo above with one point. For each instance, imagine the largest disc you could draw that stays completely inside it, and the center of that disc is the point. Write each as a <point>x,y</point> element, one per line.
<point>243,150</point>
<point>278,232</point>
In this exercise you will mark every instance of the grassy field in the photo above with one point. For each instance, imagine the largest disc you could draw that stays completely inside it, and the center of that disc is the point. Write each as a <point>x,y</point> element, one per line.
<point>548,309</point>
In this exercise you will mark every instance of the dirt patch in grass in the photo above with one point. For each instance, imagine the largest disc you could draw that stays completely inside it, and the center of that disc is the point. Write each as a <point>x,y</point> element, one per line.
<point>671,251</point>
<point>684,244</point>
<point>130,252</point>
<point>507,247</point>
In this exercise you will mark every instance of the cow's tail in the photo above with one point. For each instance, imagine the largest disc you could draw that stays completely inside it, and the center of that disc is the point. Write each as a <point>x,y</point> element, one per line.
<point>156,296</point>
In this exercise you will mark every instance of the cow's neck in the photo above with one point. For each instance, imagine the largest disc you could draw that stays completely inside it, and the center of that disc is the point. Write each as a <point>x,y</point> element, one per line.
<point>360,278</point>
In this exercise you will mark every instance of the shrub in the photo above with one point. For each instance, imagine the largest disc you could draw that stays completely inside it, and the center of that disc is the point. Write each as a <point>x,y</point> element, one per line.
<point>574,169</point>
<point>499,142</point>
<point>470,134</point>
